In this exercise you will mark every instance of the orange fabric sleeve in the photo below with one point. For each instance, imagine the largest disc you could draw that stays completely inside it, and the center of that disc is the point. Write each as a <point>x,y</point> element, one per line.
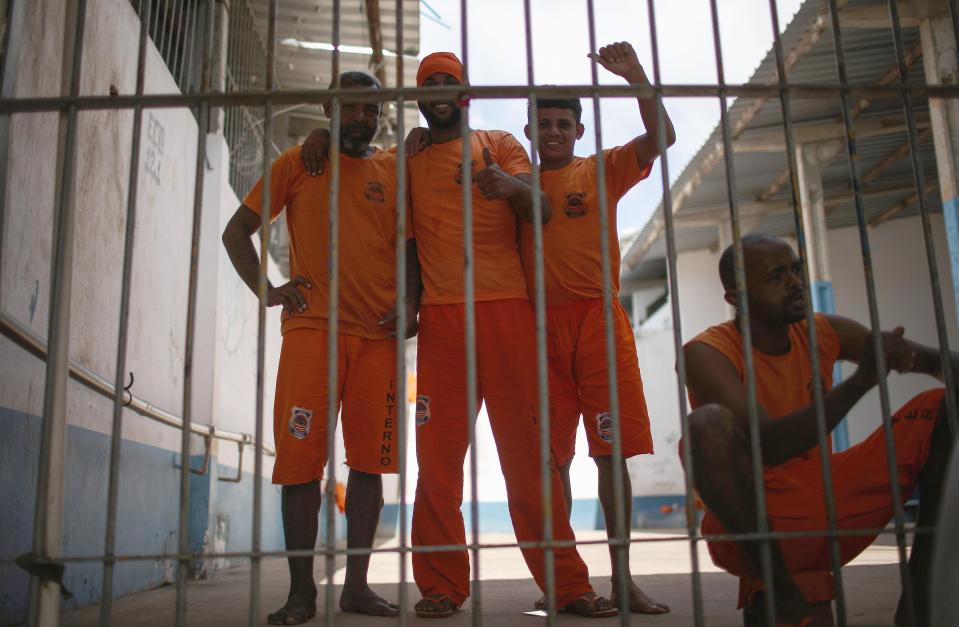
<point>623,171</point>
<point>510,155</point>
<point>281,175</point>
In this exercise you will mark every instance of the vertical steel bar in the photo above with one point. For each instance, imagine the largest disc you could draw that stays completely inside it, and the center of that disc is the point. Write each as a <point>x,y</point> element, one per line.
<point>332,321</point>
<point>873,311</point>
<point>262,285</point>
<point>191,60</point>
<point>9,72</point>
<point>469,305</point>
<point>620,532</point>
<point>944,355</point>
<point>954,16</point>
<point>48,512</point>
<point>821,430</point>
<point>106,598</point>
<point>183,568</point>
<point>165,51</point>
<point>919,177</point>
<point>546,460</point>
<point>178,31</point>
<point>154,24</point>
<point>743,316</point>
<point>189,11</point>
<point>671,254</point>
<point>401,321</point>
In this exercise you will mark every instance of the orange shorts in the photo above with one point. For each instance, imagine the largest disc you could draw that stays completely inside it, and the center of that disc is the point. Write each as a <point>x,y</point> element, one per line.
<point>366,396</point>
<point>795,501</point>
<point>579,386</point>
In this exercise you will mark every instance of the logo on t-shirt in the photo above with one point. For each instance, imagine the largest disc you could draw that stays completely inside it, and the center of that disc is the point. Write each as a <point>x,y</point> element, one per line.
<point>459,172</point>
<point>375,191</point>
<point>575,206</point>
<point>299,424</point>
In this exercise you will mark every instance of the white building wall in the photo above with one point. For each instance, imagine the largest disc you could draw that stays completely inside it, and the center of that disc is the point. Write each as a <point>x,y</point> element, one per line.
<point>904,296</point>
<point>226,324</point>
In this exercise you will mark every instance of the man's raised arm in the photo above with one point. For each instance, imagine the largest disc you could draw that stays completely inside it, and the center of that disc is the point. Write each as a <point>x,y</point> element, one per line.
<point>620,59</point>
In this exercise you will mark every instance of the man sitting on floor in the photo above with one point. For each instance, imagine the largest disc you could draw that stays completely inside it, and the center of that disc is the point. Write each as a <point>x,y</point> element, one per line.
<point>722,461</point>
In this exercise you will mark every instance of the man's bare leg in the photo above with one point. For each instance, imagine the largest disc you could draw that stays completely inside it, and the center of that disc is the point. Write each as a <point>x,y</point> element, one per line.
<point>639,603</point>
<point>722,464</point>
<point>930,491</point>
<point>364,500</point>
<point>300,506</point>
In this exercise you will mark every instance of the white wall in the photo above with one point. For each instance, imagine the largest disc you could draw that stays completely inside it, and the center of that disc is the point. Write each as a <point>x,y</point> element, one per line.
<point>226,318</point>
<point>904,296</point>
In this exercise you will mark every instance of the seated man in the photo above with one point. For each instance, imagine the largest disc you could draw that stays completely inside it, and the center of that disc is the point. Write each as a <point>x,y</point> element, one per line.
<point>722,461</point>
<point>365,351</point>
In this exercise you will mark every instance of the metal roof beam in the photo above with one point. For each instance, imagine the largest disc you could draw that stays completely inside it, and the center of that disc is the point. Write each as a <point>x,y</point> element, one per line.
<point>905,204</point>
<point>792,58</point>
<point>911,14</point>
<point>888,78</point>
<point>757,209</point>
<point>774,141</point>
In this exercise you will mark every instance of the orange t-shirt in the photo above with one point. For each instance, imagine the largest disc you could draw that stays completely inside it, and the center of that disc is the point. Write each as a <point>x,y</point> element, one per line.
<point>367,242</point>
<point>436,206</point>
<point>572,264</point>
<point>783,382</point>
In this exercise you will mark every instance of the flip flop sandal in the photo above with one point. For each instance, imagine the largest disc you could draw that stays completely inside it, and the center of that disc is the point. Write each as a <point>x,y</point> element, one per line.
<point>298,615</point>
<point>578,607</point>
<point>435,600</point>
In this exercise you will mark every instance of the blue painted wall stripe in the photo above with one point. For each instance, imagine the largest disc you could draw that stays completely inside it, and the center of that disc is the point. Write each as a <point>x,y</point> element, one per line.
<point>950,211</point>
<point>824,301</point>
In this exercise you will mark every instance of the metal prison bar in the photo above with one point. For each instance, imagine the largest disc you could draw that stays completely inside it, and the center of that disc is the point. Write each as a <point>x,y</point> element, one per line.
<point>44,594</point>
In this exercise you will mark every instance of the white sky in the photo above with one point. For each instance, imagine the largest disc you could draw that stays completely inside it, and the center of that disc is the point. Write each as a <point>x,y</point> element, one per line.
<point>497,55</point>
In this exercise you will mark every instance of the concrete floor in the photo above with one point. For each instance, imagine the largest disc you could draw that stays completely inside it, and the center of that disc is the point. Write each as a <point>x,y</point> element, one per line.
<point>662,569</point>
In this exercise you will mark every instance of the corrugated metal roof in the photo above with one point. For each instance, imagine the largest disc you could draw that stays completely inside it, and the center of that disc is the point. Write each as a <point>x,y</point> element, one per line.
<point>302,24</point>
<point>870,56</point>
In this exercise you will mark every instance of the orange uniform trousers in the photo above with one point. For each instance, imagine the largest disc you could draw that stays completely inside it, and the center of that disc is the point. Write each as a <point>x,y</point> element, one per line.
<point>860,479</point>
<point>579,382</point>
<point>506,381</point>
<point>366,390</point>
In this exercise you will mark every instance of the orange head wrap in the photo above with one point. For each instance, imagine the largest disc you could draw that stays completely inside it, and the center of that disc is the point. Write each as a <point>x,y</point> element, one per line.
<point>439,63</point>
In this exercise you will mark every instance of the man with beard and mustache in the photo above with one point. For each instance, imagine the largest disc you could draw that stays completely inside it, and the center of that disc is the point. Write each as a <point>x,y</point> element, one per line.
<point>366,353</point>
<point>505,353</point>
<point>721,453</point>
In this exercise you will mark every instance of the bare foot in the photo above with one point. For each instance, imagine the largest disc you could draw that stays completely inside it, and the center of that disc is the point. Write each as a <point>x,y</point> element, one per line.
<point>365,601</point>
<point>295,611</point>
<point>639,602</point>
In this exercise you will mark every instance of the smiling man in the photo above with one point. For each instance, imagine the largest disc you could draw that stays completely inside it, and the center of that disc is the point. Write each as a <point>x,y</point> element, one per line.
<point>578,378</point>
<point>502,197</point>
<point>366,353</point>
<point>722,461</point>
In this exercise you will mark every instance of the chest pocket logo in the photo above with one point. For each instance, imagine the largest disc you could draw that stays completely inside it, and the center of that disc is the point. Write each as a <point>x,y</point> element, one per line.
<point>375,192</point>
<point>459,173</point>
<point>575,206</point>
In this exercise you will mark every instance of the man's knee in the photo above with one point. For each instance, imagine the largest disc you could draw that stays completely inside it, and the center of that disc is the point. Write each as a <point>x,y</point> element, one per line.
<point>712,428</point>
